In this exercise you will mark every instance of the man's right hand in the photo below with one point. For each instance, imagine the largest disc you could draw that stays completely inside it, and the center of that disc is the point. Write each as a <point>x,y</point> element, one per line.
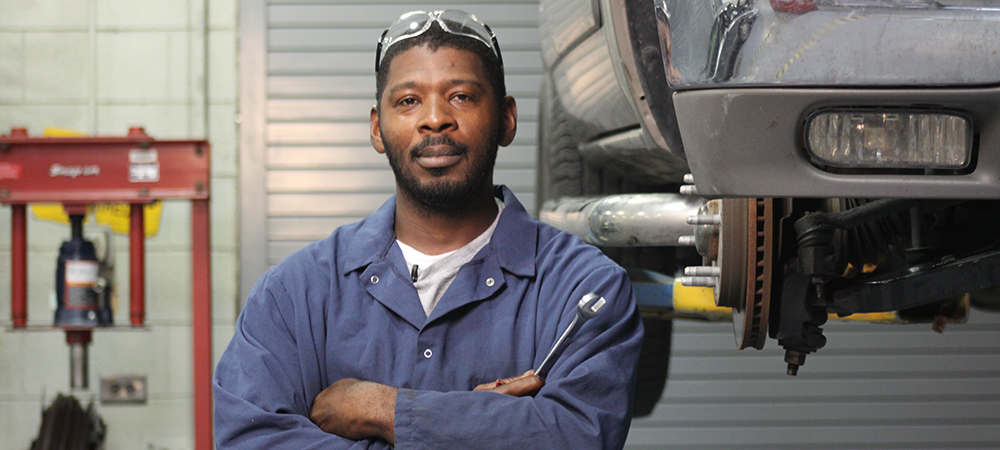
<point>356,410</point>
<point>526,384</point>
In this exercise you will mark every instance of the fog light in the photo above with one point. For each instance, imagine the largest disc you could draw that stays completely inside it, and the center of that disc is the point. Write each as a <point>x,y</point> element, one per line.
<point>890,140</point>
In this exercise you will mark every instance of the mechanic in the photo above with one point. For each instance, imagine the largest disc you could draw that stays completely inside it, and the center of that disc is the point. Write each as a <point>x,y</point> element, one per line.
<point>419,326</point>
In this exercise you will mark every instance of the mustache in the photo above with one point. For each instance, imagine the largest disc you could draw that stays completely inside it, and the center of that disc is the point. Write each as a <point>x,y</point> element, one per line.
<point>431,141</point>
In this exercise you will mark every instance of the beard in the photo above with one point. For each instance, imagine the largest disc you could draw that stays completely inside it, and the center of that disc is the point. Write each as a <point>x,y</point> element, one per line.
<point>439,195</point>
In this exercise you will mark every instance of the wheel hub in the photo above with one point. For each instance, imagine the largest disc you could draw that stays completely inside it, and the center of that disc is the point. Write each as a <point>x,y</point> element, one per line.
<point>739,255</point>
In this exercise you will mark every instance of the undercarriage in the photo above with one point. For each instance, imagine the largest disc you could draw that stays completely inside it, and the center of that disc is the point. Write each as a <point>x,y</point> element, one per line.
<point>783,267</point>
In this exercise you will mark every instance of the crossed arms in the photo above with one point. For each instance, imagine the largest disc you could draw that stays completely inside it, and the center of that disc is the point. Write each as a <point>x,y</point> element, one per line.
<point>356,409</point>
<point>271,389</point>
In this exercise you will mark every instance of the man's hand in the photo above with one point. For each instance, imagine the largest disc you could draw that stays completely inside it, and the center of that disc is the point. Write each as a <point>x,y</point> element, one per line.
<point>356,410</point>
<point>526,384</point>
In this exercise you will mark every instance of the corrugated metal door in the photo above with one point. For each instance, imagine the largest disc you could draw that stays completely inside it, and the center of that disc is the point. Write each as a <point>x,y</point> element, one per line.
<point>307,85</point>
<point>872,387</point>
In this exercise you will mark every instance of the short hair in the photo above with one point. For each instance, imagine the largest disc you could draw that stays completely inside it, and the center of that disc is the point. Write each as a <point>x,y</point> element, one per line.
<point>435,38</point>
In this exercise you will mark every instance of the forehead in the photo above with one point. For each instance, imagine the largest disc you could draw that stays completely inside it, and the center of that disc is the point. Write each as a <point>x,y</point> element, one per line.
<point>423,64</point>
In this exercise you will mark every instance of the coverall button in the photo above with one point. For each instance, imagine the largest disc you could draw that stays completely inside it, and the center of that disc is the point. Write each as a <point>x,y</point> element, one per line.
<point>428,353</point>
<point>374,279</point>
<point>489,282</point>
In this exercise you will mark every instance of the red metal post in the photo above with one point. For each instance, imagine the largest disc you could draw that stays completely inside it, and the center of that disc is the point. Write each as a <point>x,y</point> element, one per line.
<point>19,266</point>
<point>201,323</point>
<point>137,265</point>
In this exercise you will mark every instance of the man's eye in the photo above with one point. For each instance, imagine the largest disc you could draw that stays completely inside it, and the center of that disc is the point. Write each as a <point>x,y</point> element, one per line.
<point>462,97</point>
<point>408,101</point>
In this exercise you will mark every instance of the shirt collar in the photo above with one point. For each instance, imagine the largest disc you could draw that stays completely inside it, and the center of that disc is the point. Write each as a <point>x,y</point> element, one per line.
<point>513,241</point>
<point>516,236</point>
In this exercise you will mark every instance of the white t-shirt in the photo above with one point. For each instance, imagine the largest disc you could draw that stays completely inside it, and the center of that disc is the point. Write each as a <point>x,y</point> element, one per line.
<point>436,272</point>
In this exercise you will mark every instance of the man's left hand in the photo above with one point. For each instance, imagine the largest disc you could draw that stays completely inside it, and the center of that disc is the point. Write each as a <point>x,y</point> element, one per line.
<point>525,385</point>
<point>356,410</point>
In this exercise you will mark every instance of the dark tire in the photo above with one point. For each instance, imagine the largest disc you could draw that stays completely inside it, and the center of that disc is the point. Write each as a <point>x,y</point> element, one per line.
<point>560,169</point>
<point>561,172</point>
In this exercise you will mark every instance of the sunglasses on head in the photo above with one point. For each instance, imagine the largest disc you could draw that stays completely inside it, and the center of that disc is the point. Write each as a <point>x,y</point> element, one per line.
<point>415,23</point>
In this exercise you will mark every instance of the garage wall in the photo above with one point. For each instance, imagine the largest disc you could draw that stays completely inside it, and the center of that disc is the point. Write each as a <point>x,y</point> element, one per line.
<point>98,67</point>
<point>307,167</point>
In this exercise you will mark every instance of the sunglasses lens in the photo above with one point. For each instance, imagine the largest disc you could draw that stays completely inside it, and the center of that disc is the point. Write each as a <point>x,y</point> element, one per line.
<point>409,25</point>
<point>465,24</point>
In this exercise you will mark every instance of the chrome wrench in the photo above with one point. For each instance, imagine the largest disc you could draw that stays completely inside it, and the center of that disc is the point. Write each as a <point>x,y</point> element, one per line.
<point>588,307</point>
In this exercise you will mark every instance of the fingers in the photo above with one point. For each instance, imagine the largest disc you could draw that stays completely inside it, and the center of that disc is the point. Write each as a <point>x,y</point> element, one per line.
<point>524,375</point>
<point>513,379</point>
<point>502,381</point>
<point>487,386</point>
<point>522,387</point>
<point>525,384</point>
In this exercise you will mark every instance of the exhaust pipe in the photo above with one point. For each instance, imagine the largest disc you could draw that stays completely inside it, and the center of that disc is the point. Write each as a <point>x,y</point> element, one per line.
<point>626,220</point>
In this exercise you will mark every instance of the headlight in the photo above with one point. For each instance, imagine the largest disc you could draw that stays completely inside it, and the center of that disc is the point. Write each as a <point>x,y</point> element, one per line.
<point>890,140</point>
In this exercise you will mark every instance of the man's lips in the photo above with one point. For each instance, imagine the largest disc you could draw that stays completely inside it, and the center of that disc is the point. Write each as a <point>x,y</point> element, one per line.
<point>438,156</point>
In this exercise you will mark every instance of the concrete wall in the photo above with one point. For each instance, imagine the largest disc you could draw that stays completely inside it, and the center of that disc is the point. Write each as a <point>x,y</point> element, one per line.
<point>98,67</point>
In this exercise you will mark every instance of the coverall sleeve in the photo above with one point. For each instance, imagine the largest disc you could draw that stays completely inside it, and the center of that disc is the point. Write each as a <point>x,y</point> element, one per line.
<point>267,379</point>
<point>586,402</point>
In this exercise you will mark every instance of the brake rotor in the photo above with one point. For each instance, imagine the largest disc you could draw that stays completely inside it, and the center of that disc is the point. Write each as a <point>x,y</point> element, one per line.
<point>746,260</point>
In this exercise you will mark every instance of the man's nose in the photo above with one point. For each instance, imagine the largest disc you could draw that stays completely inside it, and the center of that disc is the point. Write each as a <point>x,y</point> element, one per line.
<point>437,116</point>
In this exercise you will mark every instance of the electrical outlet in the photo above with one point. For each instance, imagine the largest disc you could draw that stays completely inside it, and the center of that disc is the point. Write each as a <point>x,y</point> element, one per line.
<point>123,389</point>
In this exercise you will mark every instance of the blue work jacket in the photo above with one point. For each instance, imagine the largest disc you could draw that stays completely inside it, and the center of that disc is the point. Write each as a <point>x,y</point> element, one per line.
<point>345,307</point>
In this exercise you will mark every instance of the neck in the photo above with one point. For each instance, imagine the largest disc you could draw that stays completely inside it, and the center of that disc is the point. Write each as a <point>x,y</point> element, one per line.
<point>435,232</point>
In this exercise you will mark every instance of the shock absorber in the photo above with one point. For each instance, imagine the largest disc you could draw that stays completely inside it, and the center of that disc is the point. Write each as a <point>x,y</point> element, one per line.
<point>803,301</point>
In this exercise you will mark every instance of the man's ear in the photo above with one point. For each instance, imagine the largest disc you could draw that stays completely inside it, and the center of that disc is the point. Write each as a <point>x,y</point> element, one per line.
<point>509,124</point>
<point>376,132</point>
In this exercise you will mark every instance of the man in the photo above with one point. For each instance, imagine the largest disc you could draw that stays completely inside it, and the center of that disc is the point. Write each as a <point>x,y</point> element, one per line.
<point>419,326</point>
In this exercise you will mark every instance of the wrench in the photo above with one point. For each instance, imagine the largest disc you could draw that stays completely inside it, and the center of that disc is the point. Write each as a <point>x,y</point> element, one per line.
<point>586,309</point>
